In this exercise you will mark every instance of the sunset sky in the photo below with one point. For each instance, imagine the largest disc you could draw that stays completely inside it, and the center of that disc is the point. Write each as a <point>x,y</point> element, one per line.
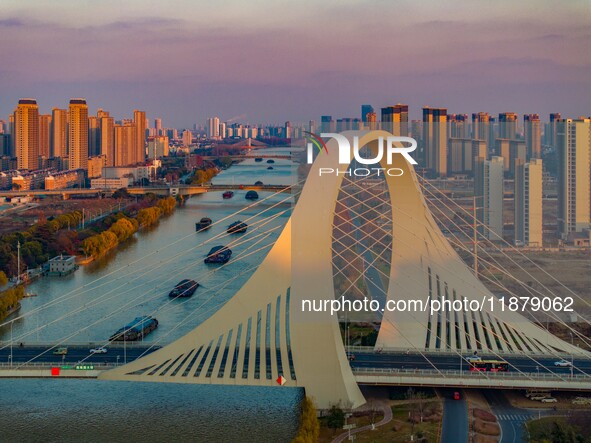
<point>270,61</point>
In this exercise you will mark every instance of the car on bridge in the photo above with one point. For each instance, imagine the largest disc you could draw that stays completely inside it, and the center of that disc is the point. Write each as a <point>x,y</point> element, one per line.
<point>549,400</point>
<point>562,363</point>
<point>101,350</point>
<point>60,351</point>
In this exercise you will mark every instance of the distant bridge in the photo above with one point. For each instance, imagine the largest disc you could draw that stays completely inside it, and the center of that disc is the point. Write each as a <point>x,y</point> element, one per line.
<point>184,190</point>
<point>249,156</point>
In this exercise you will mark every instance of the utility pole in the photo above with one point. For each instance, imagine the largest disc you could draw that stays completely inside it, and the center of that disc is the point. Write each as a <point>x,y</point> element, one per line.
<point>18,260</point>
<point>475,240</point>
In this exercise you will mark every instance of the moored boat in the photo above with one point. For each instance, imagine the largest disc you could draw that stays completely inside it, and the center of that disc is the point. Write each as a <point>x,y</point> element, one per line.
<point>228,194</point>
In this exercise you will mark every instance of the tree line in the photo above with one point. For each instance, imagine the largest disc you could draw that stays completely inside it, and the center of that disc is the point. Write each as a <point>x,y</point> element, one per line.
<point>125,226</point>
<point>45,239</point>
<point>309,429</point>
<point>9,299</point>
<point>62,234</point>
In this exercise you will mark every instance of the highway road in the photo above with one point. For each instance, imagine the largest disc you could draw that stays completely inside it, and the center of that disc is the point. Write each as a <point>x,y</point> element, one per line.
<point>382,360</point>
<point>512,420</point>
<point>455,418</point>
<point>414,360</point>
<point>42,354</point>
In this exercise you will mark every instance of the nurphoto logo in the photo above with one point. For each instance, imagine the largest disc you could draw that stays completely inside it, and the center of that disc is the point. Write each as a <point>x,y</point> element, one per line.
<point>388,146</point>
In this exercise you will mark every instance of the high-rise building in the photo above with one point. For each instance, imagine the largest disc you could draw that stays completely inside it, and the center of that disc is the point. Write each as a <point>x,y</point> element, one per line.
<point>26,134</point>
<point>100,113</point>
<point>479,149</point>
<point>459,155</point>
<point>488,189</point>
<point>187,138</point>
<point>366,109</point>
<point>158,147</point>
<point>502,150</point>
<point>372,120</point>
<point>416,131</point>
<point>139,119</point>
<point>574,180</point>
<point>12,130</point>
<point>327,124</point>
<point>45,135</point>
<point>395,119</point>
<point>480,125</point>
<point>107,138</point>
<point>532,135</point>
<point>508,125</point>
<point>96,165</point>
<point>78,134</point>
<point>552,132</point>
<point>59,133</point>
<point>517,151</point>
<point>435,140</point>
<point>94,136</point>
<point>158,126</point>
<point>213,128</point>
<point>493,132</point>
<point>125,144</point>
<point>458,126</point>
<point>528,202</point>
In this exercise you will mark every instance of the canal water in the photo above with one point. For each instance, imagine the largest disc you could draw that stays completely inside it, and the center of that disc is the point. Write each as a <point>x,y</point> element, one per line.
<point>90,304</point>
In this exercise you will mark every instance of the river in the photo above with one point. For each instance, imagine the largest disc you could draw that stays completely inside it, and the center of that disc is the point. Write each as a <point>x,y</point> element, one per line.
<point>90,304</point>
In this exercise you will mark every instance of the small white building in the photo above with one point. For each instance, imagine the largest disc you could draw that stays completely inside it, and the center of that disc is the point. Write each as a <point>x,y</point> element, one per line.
<point>62,264</point>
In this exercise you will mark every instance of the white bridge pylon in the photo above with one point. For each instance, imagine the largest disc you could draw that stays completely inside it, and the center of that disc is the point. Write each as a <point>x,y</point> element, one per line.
<point>261,334</point>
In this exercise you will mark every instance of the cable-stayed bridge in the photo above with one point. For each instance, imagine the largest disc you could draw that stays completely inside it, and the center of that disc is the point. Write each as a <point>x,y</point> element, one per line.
<point>261,336</point>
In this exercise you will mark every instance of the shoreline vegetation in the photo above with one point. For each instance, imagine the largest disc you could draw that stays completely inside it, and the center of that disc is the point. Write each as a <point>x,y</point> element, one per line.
<point>309,427</point>
<point>65,235</point>
<point>122,226</point>
<point>10,300</point>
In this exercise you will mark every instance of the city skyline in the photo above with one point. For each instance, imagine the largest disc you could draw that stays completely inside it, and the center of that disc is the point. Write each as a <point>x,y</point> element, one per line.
<point>185,63</point>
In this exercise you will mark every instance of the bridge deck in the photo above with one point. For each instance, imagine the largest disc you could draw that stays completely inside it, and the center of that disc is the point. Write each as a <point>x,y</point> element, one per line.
<point>468,379</point>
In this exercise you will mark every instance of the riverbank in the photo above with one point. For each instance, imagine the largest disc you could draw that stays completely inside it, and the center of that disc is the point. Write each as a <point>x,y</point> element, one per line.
<point>10,301</point>
<point>116,230</point>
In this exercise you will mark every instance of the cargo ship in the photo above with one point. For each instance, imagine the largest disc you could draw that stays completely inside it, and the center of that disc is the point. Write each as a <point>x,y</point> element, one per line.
<point>238,227</point>
<point>218,254</point>
<point>184,288</point>
<point>203,224</point>
<point>136,330</point>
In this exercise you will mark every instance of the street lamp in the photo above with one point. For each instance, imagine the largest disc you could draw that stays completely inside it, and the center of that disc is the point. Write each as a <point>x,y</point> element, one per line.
<point>10,357</point>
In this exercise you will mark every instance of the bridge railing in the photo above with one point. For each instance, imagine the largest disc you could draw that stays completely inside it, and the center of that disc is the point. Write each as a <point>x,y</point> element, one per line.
<point>49,365</point>
<point>450,352</point>
<point>429,373</point>
<point>91,344</point>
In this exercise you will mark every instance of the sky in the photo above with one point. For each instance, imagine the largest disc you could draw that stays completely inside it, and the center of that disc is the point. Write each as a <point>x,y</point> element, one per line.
<point>268,61</point>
